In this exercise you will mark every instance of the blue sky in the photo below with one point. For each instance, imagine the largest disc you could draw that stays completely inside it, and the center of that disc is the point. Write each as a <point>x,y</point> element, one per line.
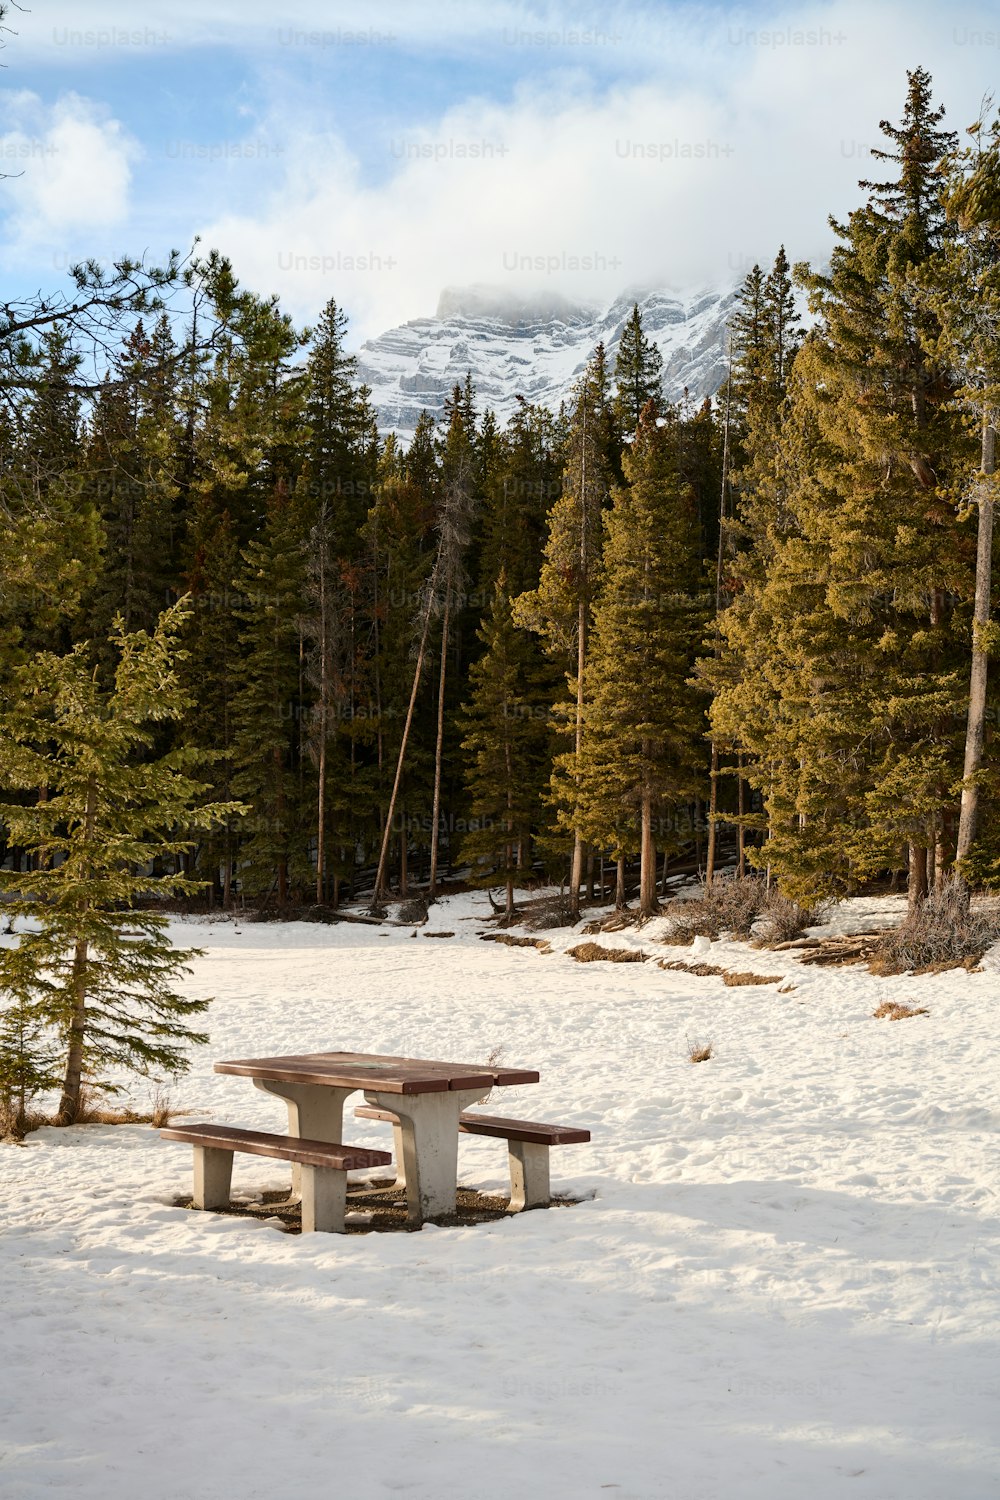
<point>379,153</point>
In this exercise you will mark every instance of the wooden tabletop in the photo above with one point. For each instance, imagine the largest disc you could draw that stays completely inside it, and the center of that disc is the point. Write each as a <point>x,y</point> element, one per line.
<point>372,1070</point>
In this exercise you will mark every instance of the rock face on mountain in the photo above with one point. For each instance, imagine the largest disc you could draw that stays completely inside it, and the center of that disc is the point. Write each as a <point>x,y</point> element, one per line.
<point>535,345</point>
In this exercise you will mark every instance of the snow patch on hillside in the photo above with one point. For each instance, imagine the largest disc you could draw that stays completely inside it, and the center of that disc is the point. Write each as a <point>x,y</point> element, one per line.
<point>536,346</point>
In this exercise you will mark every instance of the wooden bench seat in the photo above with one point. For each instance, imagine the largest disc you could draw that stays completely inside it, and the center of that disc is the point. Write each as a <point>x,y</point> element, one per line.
<point>528,1144</point>
<point>324,1166</point>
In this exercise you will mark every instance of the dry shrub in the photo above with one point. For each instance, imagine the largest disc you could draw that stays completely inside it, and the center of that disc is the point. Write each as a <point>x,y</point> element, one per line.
<point>895,1010</point>
<point>412,911</point>
<point>735,904</point>
<point>616,921</point>
<point>945,933</point>
<point>16,1123</point>
<point>590,953</point>
<point>546,912</point>
<point>700,1052</point>
<point>784,920</point>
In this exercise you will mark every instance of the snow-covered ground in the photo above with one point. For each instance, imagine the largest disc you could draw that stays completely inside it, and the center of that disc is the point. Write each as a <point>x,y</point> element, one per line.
<point>783,1282</point>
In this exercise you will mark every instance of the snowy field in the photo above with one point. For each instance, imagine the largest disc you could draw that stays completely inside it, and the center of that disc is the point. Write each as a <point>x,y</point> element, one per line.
<point>782,1281</point>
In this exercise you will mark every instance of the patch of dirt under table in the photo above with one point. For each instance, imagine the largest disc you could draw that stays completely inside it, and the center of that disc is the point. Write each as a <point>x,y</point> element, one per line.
<point>384,1208</point>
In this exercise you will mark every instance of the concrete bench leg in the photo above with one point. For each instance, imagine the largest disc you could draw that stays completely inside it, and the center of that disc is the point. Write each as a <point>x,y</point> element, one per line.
<point>529,1175</point>
<point>213,1176</point>
<point>315,1113</point>
<point>324,1199</point>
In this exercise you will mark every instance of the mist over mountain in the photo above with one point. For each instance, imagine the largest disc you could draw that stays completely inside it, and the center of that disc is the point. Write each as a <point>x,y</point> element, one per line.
<point>535,346</point>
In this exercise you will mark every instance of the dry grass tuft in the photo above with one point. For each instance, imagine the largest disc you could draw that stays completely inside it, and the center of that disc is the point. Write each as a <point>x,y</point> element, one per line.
<point>732,978</point>
<point>509,940</point>
<point>590,953</point>
<point>946,933</point>
<point>700,1052</point>
<point>895,1010</point>
<point>93,1111</point>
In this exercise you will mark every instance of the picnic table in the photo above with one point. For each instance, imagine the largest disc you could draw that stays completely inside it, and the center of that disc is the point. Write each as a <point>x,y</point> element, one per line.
<point>424,1097</point>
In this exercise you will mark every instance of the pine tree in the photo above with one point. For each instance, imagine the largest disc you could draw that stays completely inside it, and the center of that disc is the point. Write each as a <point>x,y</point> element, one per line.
<point>268,706</point>
<point>638,374</point>
<point>454,525</point>
<point>50,534</point>
<point>559,608</point>
<point>643,723</point>
<point>92,961</point>
<point>131,466</point>
<point>845,635</point>
<point>506,755</point>
<point>339,444</point>
<point>961,286</point>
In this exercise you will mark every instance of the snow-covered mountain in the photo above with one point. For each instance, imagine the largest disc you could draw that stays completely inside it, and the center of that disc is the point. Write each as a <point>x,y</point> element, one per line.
<point>535,346</point>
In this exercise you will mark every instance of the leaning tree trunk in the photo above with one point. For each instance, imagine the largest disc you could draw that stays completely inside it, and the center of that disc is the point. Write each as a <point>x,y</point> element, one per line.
<point>713,805</point>
<point>975,736</point>
<point>379,892</point>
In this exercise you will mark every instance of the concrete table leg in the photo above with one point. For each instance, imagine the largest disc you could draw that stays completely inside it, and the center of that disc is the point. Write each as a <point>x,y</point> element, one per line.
<point>529,1175</point>
<point>324,1199</point>
<point>397,1147</point>
<point>428,1125</point>
<point>213,1176</point>
<point>315,1113</point>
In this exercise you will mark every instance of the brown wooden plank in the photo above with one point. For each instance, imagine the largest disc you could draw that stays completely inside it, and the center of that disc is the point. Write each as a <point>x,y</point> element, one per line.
<point>460,1075</point>
<point>531,1131</point>
<point>376,1073</point>
<point>287,1147</point>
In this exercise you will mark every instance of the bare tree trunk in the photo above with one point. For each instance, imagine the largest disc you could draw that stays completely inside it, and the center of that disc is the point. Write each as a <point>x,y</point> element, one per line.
<point>438,753</point>
<point>648,904</point>
<point>72,1089</point>
<point>917,885</point>
<point>324,689</point>
<point>620,884</point>
<point>576,870</point>
<point>741,833</point>
<point>713,787</point>
<point>975,736</point>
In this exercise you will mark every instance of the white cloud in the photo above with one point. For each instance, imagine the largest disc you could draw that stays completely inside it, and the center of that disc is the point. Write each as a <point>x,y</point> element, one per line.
<point>75,169</point>
<point>587,188</point>
<point>671,143</point>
